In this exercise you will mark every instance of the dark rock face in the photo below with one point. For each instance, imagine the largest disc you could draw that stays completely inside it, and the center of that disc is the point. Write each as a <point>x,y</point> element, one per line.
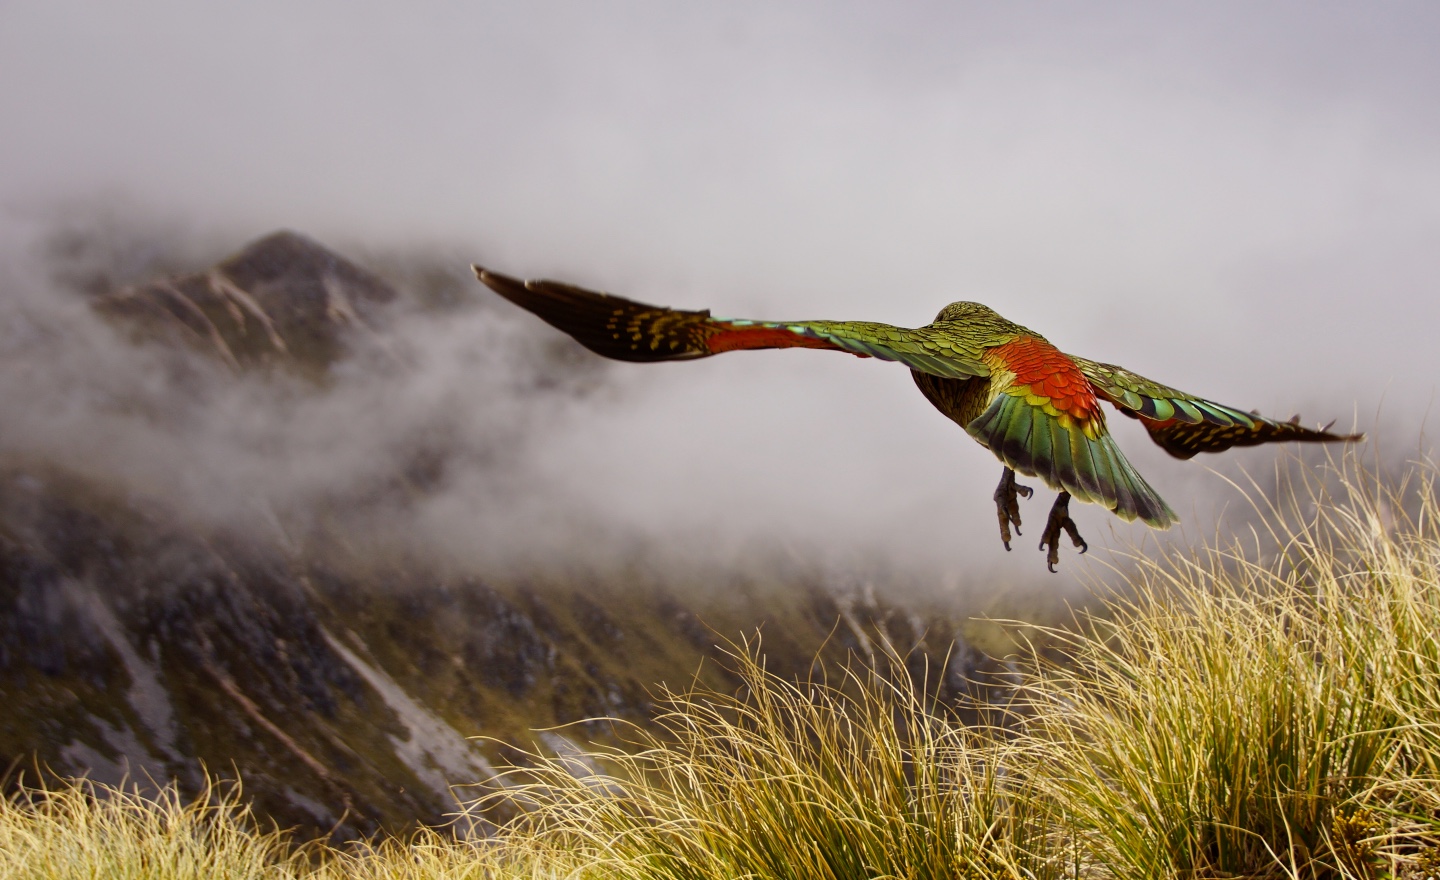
<point>342,686</point>
<point>282,302</point>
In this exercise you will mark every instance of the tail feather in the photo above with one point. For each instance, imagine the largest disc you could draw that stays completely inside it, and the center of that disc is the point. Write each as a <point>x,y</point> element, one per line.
<point>1126,476</point>
<point>1087,469</point>
<point>1017,434</point>
<point>1093,469</point>
<point>1042,442</point>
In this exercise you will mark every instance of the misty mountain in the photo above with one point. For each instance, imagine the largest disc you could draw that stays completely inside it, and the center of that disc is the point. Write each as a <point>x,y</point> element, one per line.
<point>244,528</point>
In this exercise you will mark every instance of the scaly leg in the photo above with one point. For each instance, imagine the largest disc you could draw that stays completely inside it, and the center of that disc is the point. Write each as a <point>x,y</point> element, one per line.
<point>1007,505</point>
<point>1060,519</point>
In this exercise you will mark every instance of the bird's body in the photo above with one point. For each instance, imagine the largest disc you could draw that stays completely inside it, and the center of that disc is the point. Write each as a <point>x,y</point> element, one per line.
<point>1036,408</point>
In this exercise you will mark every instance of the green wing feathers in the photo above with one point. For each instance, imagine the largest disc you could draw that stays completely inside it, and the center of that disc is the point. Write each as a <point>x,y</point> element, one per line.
<point>1134,394</point>
<point>1092,469</point>
<point>1185,425</point>
<point>626,330</point>
<point>920,349</point>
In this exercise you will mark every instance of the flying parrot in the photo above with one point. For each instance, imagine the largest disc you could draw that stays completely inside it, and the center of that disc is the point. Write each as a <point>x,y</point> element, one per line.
<point>1035,407</point>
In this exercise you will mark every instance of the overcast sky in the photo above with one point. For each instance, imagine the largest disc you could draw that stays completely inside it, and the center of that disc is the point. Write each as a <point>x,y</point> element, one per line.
<point>1239,199</point>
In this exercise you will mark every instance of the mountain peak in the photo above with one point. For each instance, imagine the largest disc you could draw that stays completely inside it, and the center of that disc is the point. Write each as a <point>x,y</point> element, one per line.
<point>284,300</point>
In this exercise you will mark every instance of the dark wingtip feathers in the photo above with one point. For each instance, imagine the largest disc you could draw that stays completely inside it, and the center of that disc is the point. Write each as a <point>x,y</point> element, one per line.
<point>1187,441</point>
<point>606,324</point>
<point>512,289</point>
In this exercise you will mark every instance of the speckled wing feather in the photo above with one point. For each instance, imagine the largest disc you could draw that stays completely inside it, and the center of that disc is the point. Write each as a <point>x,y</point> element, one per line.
<point>609,325</point>
<point>626,330</point>
<point>1185,425</point>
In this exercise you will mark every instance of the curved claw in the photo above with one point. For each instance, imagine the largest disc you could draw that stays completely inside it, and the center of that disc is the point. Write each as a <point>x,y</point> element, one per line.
<point>1007,504</point>
<point>1060,520</point>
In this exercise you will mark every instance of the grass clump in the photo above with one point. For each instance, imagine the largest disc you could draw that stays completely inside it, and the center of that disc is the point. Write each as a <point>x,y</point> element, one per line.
<point>859,778</point>
<point>79,829</point>
<point>1259,714</point>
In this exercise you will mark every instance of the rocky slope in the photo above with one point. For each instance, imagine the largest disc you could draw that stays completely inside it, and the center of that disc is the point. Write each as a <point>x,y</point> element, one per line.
<point>344,680</point>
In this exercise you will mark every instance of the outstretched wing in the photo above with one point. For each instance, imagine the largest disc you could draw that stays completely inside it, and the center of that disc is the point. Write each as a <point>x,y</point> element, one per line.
<point>630,331</point>
<point>1183,424</point>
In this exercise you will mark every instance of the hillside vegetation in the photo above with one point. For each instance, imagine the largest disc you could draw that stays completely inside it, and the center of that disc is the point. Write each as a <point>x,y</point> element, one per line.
<point>1270,708</point>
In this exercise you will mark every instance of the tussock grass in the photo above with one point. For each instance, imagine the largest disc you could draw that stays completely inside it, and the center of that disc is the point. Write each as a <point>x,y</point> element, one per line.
<point>1270,711</point>
<point>1266,709</point>
<point>859,778</point>
<point>78,829</point>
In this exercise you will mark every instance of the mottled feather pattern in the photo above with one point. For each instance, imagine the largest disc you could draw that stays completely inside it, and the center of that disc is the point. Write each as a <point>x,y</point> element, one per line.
<point>609,325</point>
<point>1186,441</point>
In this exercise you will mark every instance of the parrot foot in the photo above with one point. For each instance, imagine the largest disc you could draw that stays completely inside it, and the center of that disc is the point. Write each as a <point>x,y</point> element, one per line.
<point>1007,504</point>
<point>1060,519</point>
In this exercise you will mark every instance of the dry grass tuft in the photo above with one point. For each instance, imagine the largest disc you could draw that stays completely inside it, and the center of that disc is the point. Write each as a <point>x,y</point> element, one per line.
<point>1250,713</point>
<point>79,829</point>
<point>861,778</point>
